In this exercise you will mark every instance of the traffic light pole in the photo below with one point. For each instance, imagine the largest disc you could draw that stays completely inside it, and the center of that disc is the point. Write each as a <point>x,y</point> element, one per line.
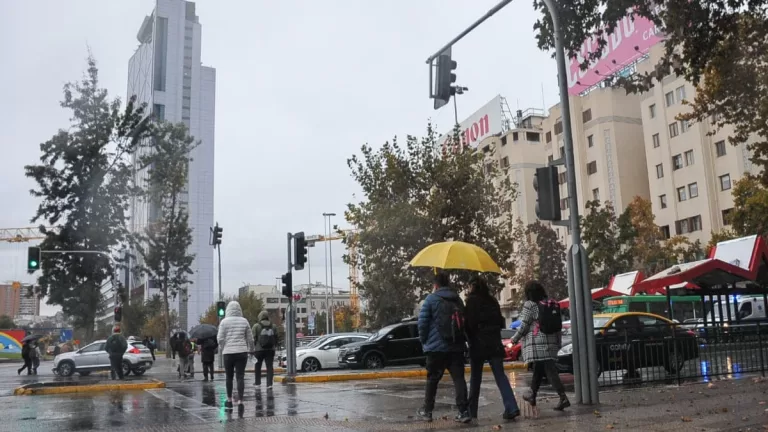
<point>290,323</point>
<point>218,250</point>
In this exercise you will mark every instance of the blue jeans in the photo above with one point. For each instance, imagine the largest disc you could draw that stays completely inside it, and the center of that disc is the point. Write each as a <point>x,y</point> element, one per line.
<point>476,378</point>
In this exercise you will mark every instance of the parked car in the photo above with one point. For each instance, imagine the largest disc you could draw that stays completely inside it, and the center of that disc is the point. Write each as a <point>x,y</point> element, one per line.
<point>396,344</point>
<point>137,360</point>
<point>634,340</point>
<point>326,354</point>
<point>281,358</point>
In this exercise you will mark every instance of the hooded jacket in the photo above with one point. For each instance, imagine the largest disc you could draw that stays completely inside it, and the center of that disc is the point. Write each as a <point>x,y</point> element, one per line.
<point>429,332</point>
<point>256,330</point>
<point>235,335</point>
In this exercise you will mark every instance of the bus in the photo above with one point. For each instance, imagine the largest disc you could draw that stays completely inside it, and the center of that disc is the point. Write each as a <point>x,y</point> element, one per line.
<point>684,308</point>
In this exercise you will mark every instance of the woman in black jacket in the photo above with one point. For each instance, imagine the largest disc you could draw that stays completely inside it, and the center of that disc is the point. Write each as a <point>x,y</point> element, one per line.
<point>484,322</point>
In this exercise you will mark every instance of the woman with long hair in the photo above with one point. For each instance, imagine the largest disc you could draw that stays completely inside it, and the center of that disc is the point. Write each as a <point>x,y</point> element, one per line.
<point>484,322</point>
<point>539,348</point>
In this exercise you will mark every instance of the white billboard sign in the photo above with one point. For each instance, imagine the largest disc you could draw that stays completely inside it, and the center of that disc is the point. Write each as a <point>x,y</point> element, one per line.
<point>483,123</point>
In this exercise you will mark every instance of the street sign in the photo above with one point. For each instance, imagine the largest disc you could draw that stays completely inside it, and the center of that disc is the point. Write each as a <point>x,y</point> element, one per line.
<point>296,297</point>
<point>311,321</point>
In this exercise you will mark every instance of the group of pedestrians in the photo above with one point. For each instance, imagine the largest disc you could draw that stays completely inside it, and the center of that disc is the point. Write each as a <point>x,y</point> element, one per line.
<point>30,353</point>
<point>447,327</point>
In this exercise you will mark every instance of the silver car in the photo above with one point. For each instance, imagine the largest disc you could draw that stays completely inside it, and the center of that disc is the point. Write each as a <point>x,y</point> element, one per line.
<point>93,357</point>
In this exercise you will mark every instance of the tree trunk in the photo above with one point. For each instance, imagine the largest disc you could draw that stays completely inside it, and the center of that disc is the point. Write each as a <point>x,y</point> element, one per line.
<point>167,321</point>
<point>167,268</point>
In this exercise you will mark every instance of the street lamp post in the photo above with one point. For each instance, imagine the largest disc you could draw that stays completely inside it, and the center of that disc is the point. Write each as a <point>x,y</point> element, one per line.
<point>330,260</point>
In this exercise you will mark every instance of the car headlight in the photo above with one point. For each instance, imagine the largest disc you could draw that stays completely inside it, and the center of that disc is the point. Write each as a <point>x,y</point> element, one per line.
<point>509,345</point>
<point>566,350</point>
<point>353,350</point>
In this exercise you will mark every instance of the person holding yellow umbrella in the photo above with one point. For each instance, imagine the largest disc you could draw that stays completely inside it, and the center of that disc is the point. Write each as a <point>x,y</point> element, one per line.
<point>441,321</point>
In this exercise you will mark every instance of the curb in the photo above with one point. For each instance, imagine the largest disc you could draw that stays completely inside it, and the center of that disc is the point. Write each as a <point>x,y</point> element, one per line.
<point>51,390</point>
<point>276,370</point>
<point>363,376</point>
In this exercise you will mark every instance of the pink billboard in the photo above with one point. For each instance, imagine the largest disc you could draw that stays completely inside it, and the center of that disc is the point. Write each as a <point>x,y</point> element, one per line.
<point>630,40</point>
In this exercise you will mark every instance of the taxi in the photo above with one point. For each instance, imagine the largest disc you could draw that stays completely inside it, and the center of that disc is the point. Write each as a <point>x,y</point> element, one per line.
<point>633,340</point>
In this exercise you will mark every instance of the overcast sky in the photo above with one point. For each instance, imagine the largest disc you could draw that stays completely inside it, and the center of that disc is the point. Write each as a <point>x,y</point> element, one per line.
<point>301,85</point>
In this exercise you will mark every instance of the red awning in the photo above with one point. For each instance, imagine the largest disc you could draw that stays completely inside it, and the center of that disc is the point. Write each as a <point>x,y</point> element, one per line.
<point>597,294</point>
<point>704,273</point>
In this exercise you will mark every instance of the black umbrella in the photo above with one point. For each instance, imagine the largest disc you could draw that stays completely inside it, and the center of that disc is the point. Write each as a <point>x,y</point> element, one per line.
<point>203,331</point>
<point>30,338</point>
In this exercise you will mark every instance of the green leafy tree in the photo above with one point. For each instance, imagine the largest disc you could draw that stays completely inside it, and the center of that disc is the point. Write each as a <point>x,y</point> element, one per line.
<point>608,242</point>
<point>750,207</point>
<point>344,319</point>
<point>155,326</point>
<point>166,240</point>
<point>539,255</point>
<point>415,195</point>
<point>719,46</point>
<point>249,303</point>
<point>6,322</point>
<point>137,313</point>
<point>83,182</point>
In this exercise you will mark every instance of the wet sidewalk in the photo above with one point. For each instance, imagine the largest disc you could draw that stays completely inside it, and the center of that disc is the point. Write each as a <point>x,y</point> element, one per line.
<point>385,405</point>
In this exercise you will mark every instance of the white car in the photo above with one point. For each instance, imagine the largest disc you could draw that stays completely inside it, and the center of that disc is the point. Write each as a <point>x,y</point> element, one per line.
<point>91,358</point>
<point>325,355</point>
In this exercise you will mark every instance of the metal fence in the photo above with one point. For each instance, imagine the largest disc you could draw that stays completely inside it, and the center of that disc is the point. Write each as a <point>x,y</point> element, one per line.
<point>674,353</point>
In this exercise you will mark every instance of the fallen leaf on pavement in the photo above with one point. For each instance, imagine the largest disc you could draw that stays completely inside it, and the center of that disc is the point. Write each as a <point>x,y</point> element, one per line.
<point>609,426</point>
<point>686,419</point>
<point>744,419</point>
<point>710,385</point>
<point>596,413</point>
<point>496,427</point>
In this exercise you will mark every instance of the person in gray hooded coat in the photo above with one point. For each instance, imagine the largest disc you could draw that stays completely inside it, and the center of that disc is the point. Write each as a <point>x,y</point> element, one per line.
<point>265,340</point>
<point>235,342</point>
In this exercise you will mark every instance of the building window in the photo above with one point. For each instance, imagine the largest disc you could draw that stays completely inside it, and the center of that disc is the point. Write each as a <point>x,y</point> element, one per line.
<point>725,182</point>
<point>504,139</point>
<point>561,178</point>
<point>505,162</point>
<point>680,92</point>
<point>659,171</point>
<point>665,232</point>
<point>684,126</point>
<point>689,158</point>
<point>720,148</point>
<point>558,128</point>
<point>590,141</point>
<point>693,190</point>
<point>663,201</point>
<point>532,136</point>
<point>727,216</point>
<point>549,136</point>
<point>652,110</point>
<point>681,194</point>
<point>688,225</point>
<point>550,159</point>
<point>592,167</point>
<point>586,116</point>
<point>161,53</point>
<point>564,204</point>
<point>562,152</point>
<point>673,131</point>
<point>677,162</point>
<point>596,194</point>
<point>656,141</point>
<point>158,110</point>
<point>669,98</point>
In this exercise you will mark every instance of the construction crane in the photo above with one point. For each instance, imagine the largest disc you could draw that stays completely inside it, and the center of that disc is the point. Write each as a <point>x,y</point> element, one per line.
<point>351,234</point>
<point>21,235</point>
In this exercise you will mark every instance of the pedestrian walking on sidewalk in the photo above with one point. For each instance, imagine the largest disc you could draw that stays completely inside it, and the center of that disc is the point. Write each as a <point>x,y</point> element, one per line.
<point>184,349</point>
<point>484,323</point>
<point>441,329</point>
<point>115,347</point>
<point>208,356</point>
<point>149,342</point>
<point>26,350</point>
<point>540,330</point>
<point>236,342</point>
<point>265,341</point>
<point>36,355</point>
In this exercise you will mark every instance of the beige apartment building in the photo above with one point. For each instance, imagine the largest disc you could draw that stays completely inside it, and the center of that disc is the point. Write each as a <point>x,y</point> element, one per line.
<point>690,172</point>
<point>518,152</point>
<point>608,146</point>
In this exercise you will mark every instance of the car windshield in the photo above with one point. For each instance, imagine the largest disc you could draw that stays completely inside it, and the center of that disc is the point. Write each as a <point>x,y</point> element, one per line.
<point>507,333</point>
<point>317,342</point>
<point>382,332</point>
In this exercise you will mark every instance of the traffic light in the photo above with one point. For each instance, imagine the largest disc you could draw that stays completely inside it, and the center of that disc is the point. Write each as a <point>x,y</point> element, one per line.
<point>445,79</point>
<point>299,251</point>
<point>118,314</point>
<point>221,309</point>
<point>33,259</point>
<point>547,193</point>
<point>287,284</point>
<point>216,235</point>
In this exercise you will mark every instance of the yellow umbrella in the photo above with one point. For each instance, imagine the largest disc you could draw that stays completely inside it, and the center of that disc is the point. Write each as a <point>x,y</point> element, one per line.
<point>455,255</point>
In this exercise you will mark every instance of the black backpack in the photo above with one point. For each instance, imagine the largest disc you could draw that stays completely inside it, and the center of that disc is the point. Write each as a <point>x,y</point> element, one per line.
<point>266,337</point>
<point>450,321</point>
<point>550,320</point>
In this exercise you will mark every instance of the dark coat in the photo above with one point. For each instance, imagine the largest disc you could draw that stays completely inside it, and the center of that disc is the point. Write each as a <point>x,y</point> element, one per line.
<point>208,351</point>
<point>484,322</point>
<point>429,332</point>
